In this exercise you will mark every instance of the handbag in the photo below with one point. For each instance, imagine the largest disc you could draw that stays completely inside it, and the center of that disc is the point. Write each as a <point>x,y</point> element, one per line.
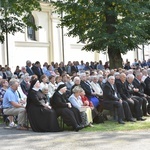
<point>94,100</point>
<point>99,118</point>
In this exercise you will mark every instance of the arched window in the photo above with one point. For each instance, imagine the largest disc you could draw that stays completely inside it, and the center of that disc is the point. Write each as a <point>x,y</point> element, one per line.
<point>30,30</point>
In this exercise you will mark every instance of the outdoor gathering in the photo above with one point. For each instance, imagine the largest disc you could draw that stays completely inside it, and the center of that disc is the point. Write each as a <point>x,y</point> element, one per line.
<point>74,74</point>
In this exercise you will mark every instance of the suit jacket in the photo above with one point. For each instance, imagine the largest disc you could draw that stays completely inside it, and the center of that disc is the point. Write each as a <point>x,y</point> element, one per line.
<point>109,93</point>
<point>25,87</point>
<point>60,70</point>
<point>29,71</point>
<point>74,68</point>
<point>139,85</point>
<point>122,90</point>
<point>3,74</point>
<point>147,84</point>
<point>36,71</point>
<point>87,88</point>
<point>130,87</point>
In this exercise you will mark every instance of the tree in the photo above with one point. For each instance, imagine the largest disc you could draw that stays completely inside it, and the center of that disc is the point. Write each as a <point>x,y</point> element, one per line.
<point>115,26</point>
<point>14,16</point>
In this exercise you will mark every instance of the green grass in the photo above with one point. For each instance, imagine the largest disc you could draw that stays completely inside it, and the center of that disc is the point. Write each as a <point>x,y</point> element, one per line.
<point>114,126</point>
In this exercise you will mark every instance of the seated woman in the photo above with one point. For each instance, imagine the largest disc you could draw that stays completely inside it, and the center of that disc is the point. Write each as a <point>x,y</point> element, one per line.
<point>41,116</point>
<point>86,102</point>
<point>76,82</point>
<point>85,111</point>
<point>71,116</point>
<point>52,86</point>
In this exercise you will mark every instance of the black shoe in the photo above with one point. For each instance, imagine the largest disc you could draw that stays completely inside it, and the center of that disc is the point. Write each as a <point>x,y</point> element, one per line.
<point>141,119</point>
<point>121,122</point>
<point>131,120</point>
<point>78,128</point>
<point>147,115</point>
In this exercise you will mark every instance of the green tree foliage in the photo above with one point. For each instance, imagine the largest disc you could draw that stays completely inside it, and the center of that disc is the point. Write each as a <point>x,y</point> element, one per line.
<point>116,26</point>
<point>14,16</point>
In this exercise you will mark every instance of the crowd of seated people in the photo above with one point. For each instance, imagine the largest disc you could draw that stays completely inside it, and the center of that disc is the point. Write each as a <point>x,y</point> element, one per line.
<point>76,92</point>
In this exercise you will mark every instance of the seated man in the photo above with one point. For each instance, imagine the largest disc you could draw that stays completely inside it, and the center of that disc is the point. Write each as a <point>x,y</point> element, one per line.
<point>11,105</point>
<point>134,103</point>
<point>112,99</point>
<point>140,86</point>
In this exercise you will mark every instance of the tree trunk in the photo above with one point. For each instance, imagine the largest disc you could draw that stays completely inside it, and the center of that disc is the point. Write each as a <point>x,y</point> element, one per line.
<point>114,54</point>
<point>115,58</point>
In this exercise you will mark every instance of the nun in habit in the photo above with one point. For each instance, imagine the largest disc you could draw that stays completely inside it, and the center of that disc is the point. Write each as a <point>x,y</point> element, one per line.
<point>70,115</point>
<point>41,116</point>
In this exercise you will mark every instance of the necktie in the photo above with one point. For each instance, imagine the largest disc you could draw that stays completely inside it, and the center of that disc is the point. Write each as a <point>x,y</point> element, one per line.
<point>39,71</point>
<point>4,75</point>
<point>19,94</point>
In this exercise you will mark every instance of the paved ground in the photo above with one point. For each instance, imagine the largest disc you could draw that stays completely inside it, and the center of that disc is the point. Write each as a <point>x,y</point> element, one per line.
<point>12,139</point>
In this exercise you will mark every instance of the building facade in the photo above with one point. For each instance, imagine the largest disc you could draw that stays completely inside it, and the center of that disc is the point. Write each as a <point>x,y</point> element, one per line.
<point>50,44</point>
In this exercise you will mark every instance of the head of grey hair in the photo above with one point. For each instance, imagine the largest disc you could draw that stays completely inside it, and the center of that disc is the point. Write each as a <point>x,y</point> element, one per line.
<point>13,81</point>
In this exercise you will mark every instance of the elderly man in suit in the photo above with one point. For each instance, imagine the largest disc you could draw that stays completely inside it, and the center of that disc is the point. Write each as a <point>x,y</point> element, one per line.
<point>37,69</point>
<point>28,68</point>
<point>140,86</point>
<point>134,103</point>
<point>113,99</point>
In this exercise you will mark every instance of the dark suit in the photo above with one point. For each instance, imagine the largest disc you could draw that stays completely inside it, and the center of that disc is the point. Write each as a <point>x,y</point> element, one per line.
<point>111,101</point>
<point>147,86</point>
<point>74,68</point>
<point>87,88</point>
<point>60,70</point>
<point>29,71</point>
<point>25,87</point>
<point>134,104</point>
<point>147,91</point>
<point>37,71</point>
<point>141,86</point>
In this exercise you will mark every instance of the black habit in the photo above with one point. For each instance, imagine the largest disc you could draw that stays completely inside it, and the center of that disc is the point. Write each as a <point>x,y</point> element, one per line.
<point>41,119</point>
<point>71,116</point>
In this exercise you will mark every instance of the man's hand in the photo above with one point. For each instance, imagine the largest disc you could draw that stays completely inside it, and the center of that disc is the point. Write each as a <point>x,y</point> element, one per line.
<point>131,100</point>
<point>69,105</point>
<point>120,100</point>
<point>135,90</point>
<point>17,105</point>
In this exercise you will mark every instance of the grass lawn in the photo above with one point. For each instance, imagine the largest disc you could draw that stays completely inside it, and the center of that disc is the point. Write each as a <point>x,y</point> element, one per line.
<point>114,126</point>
